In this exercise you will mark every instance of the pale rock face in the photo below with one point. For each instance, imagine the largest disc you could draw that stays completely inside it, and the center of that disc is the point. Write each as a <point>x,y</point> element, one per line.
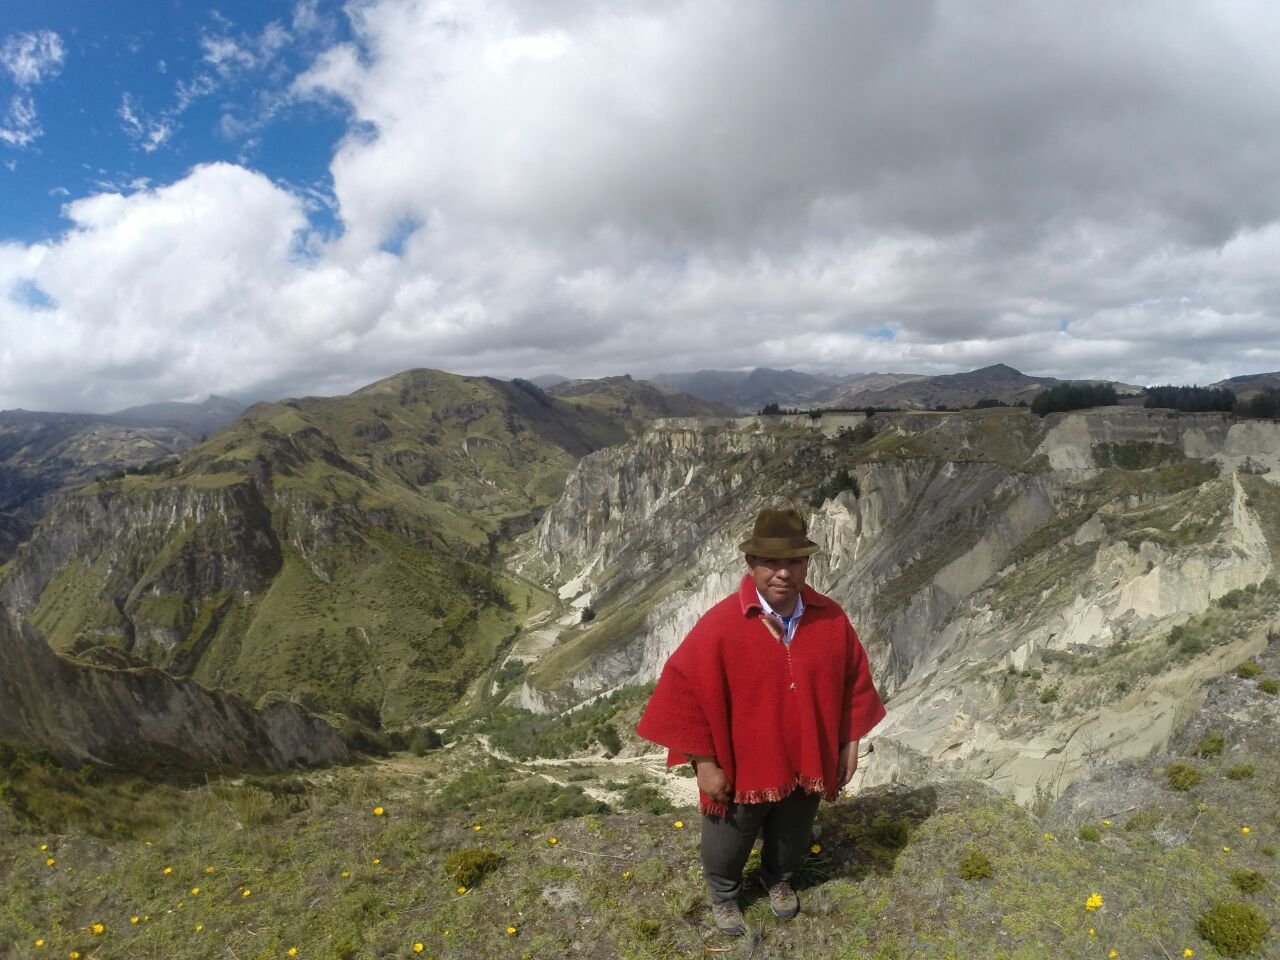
<point>919,560</point>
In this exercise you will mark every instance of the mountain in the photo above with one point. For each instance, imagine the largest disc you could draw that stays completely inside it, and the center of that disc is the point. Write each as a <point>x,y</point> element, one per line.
<point>195,419</point>
<point>138,717</point>
<point>998,382</point>
<point>636,402</point>
<point>749,390</point>
<point>548,380</point>
<point>344,550</point>
<point>1249,384</point>
<point>1032,592</point>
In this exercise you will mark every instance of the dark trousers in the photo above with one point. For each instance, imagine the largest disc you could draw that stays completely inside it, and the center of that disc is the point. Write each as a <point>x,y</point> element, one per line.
<point>727,842</point>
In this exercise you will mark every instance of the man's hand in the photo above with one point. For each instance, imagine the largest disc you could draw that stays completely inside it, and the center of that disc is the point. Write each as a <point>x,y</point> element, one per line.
<point>712,780</point>
<point>847,763</point>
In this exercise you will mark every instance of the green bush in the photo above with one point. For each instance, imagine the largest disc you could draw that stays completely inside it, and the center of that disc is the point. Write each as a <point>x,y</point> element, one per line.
<point>645,798</point>
<point>1235,929</point>
<point>470,865</point>
<point>1248,669</point>
<point>1049,695</point>
<point>1270,685</point>
<point>975,865</point>
<point>1248,881</point>
<point>1268,850</point>
<point>1183,776</point>
<point>1090,833</point>
<point>1211,745</point>
<point>1242,772</point>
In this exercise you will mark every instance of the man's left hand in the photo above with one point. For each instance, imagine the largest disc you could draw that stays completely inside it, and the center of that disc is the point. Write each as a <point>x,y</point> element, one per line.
<point>848,763</point>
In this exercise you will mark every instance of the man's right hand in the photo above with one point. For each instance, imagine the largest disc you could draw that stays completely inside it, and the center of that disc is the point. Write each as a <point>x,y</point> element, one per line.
<point>713,782</point>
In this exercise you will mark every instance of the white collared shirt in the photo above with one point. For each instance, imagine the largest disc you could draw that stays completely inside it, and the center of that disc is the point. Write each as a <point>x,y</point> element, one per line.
<point>789,624</point>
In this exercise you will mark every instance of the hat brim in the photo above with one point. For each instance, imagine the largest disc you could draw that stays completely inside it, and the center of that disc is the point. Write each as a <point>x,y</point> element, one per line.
<point>779,548</point>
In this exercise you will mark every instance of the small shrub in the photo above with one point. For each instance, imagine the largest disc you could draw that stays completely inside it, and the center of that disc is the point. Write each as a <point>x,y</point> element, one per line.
<point>1235,929</point>
<point>470,865</point>
<point>1143,820</point>
<point>891,833</point>
<point>1248,881</point>
<point>1183,776</point>
<point>1248,670</point>
<point>975,865</point>
<point>1270,685</point>
<point>1268,850</point>
<point>1242,772</point>
<point>588,614</point>
<point>1090,833</point>
<point>1049,695</point>
<point>1211,745</point>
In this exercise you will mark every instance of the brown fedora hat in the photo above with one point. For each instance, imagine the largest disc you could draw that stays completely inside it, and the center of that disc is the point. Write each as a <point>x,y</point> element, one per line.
<point>779,533</point>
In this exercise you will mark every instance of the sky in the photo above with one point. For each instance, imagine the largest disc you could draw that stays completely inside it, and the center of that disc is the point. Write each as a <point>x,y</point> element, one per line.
<point>261,198</point>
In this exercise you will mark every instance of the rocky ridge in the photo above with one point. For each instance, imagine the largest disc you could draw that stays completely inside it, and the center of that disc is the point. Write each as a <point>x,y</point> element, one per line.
<point>970,549</point>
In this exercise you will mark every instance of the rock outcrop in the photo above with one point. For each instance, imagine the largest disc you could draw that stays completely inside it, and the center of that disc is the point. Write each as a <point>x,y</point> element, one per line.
<point>140,716</point>
<point>969,549</point>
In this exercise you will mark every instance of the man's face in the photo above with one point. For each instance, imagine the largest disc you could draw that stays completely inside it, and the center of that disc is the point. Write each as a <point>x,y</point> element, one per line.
<point>779,581</point>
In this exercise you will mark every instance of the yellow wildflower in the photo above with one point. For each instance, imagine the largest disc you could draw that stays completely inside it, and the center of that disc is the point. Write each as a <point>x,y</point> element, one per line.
<point>133,920</point>
<point>418,948</point>
<point>168,870</point>
<point>1188,952</point>
<point>476,827</point>
<point>1106,823</point>
<point>246,893</point>
<point>1093,932</point>
<point>98,928</point>
<point>345,874</point>
<point>626,874</point>
<point>1244,830</point>
<point>376,861</point>
<point>816,848</point>
<point>511,931</point>
<point>461,891</point>
<point>378,811</point>
<point>148,842</point>
<point>195,891</point>
<point>292,951</point>
<point>552,840</point>
<point>40,943</point>
<point>1112,953</point>
<point>44,846</point>
<point>208,869</point>
<point>1094,902</point>
<point>1048,836</point>
<point>75,955</point>
<point>679,824</point>
<point>1226,849</point>
<point>199,927</point>
<point>51,862</point>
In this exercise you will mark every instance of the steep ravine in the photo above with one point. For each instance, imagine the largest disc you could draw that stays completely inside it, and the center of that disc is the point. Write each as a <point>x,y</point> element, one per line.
<point>974,545</point>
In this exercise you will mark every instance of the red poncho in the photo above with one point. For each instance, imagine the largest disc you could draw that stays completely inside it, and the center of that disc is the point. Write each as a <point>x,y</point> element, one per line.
<point>773,717</point>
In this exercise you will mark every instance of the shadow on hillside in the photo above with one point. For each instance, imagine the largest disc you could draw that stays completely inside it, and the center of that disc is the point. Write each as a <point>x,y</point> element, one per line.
<point>864,835</point>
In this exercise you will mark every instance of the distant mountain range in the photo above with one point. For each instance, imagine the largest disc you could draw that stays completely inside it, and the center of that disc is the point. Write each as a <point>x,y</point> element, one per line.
<point>750,391</point>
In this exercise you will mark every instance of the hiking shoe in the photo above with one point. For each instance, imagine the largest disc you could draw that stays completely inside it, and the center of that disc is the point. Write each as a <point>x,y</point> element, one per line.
<point>782,899</point>
<point>729,919</point>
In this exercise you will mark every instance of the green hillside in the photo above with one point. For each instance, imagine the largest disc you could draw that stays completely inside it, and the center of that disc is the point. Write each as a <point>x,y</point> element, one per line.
<point>346,550</point>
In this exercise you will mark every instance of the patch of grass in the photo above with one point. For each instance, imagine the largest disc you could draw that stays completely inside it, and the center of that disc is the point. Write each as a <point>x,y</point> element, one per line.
<point>1211,745</point>
<point>1234,929</point>
<point>1248,669</point>
<point>1090,833</point>
<point>1243,771</point>
<point>975,865</point>
<point>1182,777</point>
<point>470,865</point>
<point>1269,685</point>
<point>1248,881</point>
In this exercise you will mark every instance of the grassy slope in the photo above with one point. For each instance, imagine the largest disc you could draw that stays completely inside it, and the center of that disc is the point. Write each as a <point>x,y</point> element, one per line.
<point>397,601</point>
<point>883,885</point>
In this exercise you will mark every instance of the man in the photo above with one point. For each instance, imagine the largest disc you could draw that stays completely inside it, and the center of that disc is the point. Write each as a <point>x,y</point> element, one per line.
<point>767,697</point>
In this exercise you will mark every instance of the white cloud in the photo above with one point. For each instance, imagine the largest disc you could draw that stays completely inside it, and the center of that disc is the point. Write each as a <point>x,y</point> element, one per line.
<point>31,58</point>
<point>150,134</point>
<point>20,126</point>
<point>592,189</point>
